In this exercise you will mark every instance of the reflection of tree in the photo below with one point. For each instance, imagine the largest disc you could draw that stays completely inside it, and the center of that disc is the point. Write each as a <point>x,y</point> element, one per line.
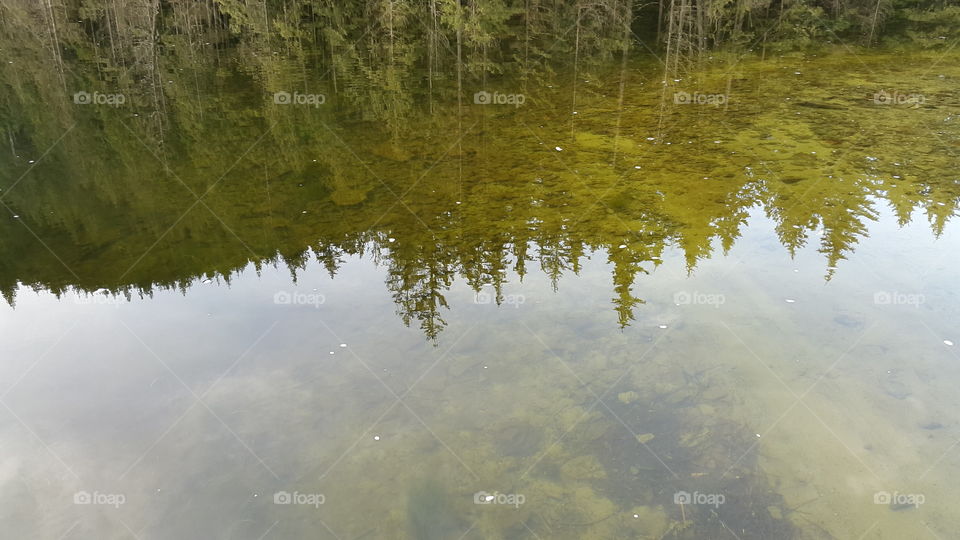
<point>324,182</point>
<point>417,281</point>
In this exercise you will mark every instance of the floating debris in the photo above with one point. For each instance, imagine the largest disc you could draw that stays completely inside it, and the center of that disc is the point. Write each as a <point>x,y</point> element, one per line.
<point>644,438</point>
<point>948,343</point>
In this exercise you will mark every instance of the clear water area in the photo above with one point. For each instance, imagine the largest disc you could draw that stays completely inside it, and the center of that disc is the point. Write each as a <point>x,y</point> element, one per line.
<point>642,320</point>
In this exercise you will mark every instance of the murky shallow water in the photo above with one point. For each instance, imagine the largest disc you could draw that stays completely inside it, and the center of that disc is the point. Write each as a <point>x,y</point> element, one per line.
<point>642,320</point>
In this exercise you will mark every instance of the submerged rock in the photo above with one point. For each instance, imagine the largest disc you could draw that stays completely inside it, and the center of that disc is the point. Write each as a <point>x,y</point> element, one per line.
<point>430,513</point>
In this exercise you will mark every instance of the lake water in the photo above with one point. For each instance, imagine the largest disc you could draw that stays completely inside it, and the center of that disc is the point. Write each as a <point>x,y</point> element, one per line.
<point>251,301</point>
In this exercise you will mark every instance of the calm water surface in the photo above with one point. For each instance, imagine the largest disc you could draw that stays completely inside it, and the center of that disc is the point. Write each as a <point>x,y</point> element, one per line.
<point>596,314</point>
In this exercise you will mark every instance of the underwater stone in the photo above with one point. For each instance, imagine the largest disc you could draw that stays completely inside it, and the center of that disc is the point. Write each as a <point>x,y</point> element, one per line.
<point>644,438</point>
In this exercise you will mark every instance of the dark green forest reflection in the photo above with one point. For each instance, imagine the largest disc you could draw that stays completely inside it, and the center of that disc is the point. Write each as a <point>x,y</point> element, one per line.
<point>279,144</point>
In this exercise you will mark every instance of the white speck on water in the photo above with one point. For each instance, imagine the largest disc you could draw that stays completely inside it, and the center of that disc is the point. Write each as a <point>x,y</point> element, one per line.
<point>484,367</point>
<point>621,246</point>
<point>636,516</point>
<point>304,212</point>
<point>331,352</point>
<point>871,158</point>
<point>651,138</point>
<point>636,166</point>
<point>391,240</point>
<point>662,326</point>
<point>948,343</point>
<point>757,434</point>
<point>458,202</point>
<point>558,149</point>
<point>376,437</point>
<point>790,300</point>
<point>343,345</point>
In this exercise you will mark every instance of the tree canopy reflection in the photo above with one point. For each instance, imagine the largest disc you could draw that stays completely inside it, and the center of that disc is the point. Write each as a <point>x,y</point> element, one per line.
<point>200,172</point>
